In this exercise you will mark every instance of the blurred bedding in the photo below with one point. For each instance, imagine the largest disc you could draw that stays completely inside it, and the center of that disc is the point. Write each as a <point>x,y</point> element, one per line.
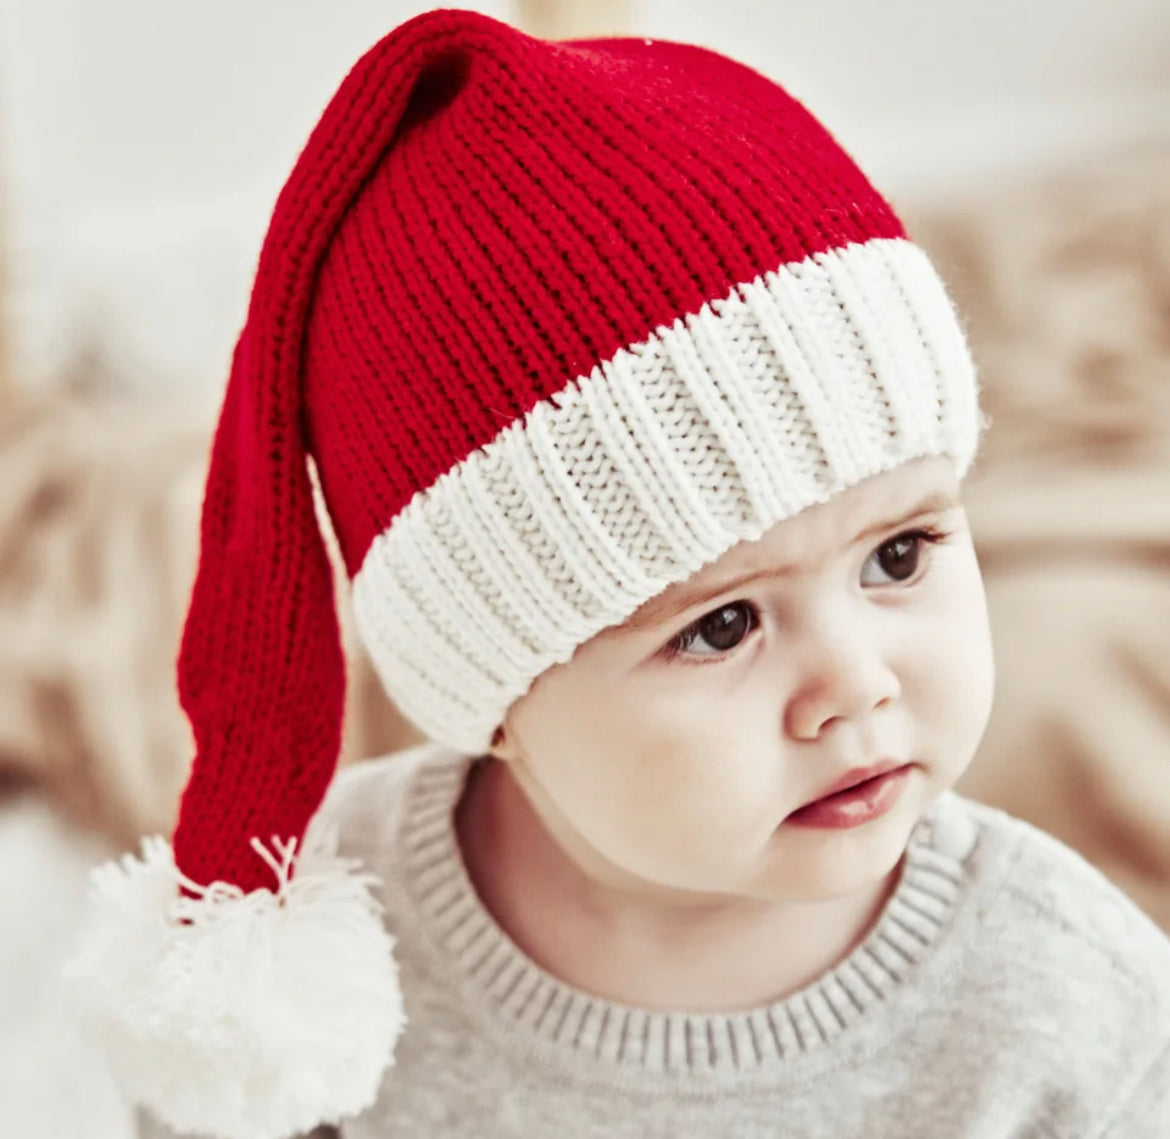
<point>1065,287</point>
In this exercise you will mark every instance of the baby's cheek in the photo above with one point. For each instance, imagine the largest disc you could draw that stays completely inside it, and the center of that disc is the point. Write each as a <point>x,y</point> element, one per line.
<point>671,788</point>
<point>955,678</point>
<point>710,812</point>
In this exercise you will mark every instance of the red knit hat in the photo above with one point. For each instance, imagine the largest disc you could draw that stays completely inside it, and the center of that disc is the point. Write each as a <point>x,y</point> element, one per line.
<point>559,324</point>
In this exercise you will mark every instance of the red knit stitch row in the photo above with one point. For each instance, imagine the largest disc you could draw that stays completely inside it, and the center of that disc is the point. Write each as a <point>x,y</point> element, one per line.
<point>550,211</point>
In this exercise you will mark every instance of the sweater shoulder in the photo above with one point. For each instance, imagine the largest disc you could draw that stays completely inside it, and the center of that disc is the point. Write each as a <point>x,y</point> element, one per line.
<point>366,801</point>
<point>1049,885</point>
<point>1058,937</point>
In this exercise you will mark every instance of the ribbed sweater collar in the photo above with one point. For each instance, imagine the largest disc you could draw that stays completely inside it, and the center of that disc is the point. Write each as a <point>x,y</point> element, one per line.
<point>527,1001</point>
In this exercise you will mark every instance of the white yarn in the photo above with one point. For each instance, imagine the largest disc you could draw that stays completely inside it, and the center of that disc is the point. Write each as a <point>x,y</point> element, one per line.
<point>243,1016</point>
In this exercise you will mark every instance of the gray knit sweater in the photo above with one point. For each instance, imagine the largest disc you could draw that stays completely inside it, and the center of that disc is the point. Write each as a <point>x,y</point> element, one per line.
<point>1008,990</point>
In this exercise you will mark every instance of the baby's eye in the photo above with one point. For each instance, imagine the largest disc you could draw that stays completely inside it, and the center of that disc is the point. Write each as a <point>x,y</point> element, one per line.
<point>900,556</point>
<point>721,630</point>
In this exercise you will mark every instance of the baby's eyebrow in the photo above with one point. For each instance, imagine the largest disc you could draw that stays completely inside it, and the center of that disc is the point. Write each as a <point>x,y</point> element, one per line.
<point>662,608</point>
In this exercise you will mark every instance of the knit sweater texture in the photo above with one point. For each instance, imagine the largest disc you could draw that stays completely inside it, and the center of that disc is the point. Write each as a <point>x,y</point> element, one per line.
<point>1007,989</point>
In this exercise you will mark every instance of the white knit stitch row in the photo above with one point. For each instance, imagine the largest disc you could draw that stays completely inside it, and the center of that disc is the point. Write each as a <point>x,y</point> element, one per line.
<point>791,389</point>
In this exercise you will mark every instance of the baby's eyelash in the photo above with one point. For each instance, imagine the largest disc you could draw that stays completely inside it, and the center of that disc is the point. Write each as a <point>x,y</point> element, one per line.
<point>676,646</point>
<point>930,534</point>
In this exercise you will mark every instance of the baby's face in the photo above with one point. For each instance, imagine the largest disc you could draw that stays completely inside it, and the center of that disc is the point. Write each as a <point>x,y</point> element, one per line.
<point>669,753</point>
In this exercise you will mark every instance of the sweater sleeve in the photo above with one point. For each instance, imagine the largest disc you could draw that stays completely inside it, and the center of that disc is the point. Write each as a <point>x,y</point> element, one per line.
<point>1145,1113</point>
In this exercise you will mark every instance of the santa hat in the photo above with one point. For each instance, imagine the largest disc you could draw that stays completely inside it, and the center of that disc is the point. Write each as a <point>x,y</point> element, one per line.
<point>559,324</point>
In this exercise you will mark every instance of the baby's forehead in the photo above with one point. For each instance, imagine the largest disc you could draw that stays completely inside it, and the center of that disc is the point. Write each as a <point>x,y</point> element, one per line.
<point>858,514</point>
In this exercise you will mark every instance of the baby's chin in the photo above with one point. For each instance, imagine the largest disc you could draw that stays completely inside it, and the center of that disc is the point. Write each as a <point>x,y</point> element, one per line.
<point>815,864</point>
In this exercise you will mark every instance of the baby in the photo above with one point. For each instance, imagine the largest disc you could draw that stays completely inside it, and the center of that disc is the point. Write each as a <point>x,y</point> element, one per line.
<point>642,426</point>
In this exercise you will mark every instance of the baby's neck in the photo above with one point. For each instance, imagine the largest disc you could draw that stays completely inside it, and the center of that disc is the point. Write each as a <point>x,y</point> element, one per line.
<point>731,954</point>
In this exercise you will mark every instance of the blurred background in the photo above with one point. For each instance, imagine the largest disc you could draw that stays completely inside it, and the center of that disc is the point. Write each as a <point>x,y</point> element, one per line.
<point>1025,142</point>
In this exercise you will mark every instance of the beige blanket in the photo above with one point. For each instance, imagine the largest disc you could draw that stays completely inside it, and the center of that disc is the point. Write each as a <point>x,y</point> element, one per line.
<point>1066,291</point>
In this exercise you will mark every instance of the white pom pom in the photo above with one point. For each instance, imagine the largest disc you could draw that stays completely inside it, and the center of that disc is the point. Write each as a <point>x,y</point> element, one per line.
<point>246,1016</point>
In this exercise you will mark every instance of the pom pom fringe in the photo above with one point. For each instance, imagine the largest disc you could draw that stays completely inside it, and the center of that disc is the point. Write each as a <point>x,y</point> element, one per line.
<point>243,1016</point>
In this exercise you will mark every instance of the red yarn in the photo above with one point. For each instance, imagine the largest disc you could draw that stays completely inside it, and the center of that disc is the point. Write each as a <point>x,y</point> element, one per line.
<point>478,218</point>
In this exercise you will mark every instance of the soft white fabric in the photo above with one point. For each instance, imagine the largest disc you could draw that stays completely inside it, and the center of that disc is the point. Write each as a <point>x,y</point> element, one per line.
<point>240,1015</point>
